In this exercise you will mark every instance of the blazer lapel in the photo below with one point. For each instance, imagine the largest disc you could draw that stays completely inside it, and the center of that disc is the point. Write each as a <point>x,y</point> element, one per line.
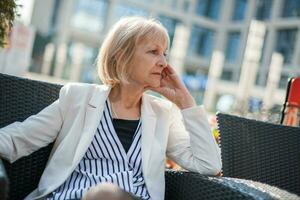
<point>93,115</point>
<point>148,118</point>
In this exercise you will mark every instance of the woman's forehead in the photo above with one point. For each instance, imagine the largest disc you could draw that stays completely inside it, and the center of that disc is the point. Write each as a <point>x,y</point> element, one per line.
<point>160,42</point>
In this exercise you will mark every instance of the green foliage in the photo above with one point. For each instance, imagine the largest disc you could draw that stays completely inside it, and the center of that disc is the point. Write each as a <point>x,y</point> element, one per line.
<point>8,11</point>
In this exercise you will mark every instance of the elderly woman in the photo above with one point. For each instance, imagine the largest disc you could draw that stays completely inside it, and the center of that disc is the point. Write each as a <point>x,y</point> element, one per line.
<point>116,132</point>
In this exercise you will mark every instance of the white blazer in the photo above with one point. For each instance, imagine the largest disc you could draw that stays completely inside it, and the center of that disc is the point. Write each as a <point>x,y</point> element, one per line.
<point>72,120</point>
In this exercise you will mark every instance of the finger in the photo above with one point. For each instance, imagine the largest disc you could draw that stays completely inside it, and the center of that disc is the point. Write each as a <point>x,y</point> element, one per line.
<point>174,79</point>
<point>170,69</point>
<point>163,74</point>
<point>171,78</point>
<point>165,83</point>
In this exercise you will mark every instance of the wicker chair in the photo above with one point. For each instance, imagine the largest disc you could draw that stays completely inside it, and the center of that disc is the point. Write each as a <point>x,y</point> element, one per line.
<point>20,98</point>
<point>260,151</point>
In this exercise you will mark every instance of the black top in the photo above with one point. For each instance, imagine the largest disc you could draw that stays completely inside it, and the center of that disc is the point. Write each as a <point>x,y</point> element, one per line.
<point>125,130</point>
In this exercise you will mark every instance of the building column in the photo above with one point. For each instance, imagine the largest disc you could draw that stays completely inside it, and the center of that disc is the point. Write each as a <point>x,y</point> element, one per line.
<point>63,22</point>
<point>254,43</point>
<point>179,48</point>
<point>214,74</point>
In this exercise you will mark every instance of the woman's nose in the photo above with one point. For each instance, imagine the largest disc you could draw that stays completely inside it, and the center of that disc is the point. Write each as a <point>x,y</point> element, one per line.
<point>162,61</point>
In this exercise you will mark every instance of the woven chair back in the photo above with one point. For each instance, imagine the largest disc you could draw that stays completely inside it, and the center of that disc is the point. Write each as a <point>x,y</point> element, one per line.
<point>260,151</point>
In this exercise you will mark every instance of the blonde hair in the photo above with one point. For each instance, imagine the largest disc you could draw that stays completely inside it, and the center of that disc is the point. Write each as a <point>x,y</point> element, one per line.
<point>119,46</point>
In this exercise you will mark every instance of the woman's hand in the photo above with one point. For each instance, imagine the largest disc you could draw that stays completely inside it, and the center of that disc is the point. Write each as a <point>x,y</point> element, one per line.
<point>173,89</point>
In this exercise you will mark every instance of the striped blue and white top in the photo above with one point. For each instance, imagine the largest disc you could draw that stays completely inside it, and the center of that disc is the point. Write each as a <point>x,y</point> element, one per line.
<point>107,161</point>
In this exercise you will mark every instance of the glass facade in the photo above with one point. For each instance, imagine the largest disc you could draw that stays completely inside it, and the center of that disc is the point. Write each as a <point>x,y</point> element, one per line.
<point>240,7</point>
<point>55,15</point>
<point>208,8</point>
<point>232,46</point>
<point>90,15</point>
<point>263,9</point>
<point>170,24</point>
<point>291,8</point>
<point>88,66</point>
<point>283,81</point>
<point>141,1</point>
<point>226,75</point>
<point>123,10</point>
<point>202,41</point>
<point>286,40</point>
<point>186,5</point>
<point>174,4</point>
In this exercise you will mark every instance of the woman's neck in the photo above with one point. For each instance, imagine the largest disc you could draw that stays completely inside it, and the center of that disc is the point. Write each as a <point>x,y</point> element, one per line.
<point>126,96</point>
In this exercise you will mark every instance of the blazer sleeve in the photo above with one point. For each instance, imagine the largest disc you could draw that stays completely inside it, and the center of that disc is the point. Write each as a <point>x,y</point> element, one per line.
<point>191,143</point>
<point>22,138</point>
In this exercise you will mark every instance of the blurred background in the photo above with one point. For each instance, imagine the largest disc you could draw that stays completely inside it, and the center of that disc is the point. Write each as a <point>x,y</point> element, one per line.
<point>235,56</point>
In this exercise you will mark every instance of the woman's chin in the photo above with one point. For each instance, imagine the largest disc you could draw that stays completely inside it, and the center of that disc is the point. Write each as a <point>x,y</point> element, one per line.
<point>155,84</point>
<point>152,83</point>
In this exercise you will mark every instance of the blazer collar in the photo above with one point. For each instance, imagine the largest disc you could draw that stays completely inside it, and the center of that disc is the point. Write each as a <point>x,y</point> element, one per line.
<point>101,93</point>
<point>93,115</point>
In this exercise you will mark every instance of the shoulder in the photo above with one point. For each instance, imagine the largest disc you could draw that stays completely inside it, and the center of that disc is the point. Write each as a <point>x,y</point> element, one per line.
<point>82,87</point>
<point>81,90</point>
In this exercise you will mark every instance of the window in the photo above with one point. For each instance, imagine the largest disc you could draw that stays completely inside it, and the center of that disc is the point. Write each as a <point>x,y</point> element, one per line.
<point>170,24</point>
<point>141,1</point>
<point>286,40</point>
<point>232,46</point>
<point>55,14</point>
<point>208,8</point>
<point>283,81</point>
<point>291,8</point>
<point>263,9</point>
<point>174,4</point>
<point>169,3</point>
<point>202,41</point>
<point>90,15</point>
<point>88,54</point>
<point>261,78</point>
<point>226,75</point>
<point>187,5</point>
<point>240,7</point>
<point>123,10</point>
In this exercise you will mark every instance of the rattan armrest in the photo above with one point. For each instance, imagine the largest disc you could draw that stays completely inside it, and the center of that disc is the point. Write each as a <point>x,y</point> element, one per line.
<point>188,185</point>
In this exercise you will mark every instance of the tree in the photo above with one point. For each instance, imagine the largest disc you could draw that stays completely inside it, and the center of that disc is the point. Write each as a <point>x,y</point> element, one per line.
<point>8,11</point>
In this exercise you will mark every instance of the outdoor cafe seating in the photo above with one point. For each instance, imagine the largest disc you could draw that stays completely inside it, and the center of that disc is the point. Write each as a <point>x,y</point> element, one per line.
<point>260,151</point>
<point>266,154</point>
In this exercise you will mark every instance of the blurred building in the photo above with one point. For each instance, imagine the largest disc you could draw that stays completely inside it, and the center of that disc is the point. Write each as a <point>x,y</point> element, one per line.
<point>71,32</point>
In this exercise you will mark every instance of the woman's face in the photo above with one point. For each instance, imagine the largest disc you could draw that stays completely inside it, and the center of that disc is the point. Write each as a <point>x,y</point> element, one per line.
<point>148,62</point>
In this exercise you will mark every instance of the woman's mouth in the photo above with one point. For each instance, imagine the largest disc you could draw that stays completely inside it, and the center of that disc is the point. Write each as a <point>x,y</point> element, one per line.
<point>158,74</point>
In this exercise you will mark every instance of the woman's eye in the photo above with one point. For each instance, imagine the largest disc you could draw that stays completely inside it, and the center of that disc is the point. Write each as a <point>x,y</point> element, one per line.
<point>154,51</point>
<point>165,54</point>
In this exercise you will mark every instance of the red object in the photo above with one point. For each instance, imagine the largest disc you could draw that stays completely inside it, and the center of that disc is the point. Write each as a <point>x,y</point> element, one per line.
<point>291,110</point>
<point>294,93</point>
